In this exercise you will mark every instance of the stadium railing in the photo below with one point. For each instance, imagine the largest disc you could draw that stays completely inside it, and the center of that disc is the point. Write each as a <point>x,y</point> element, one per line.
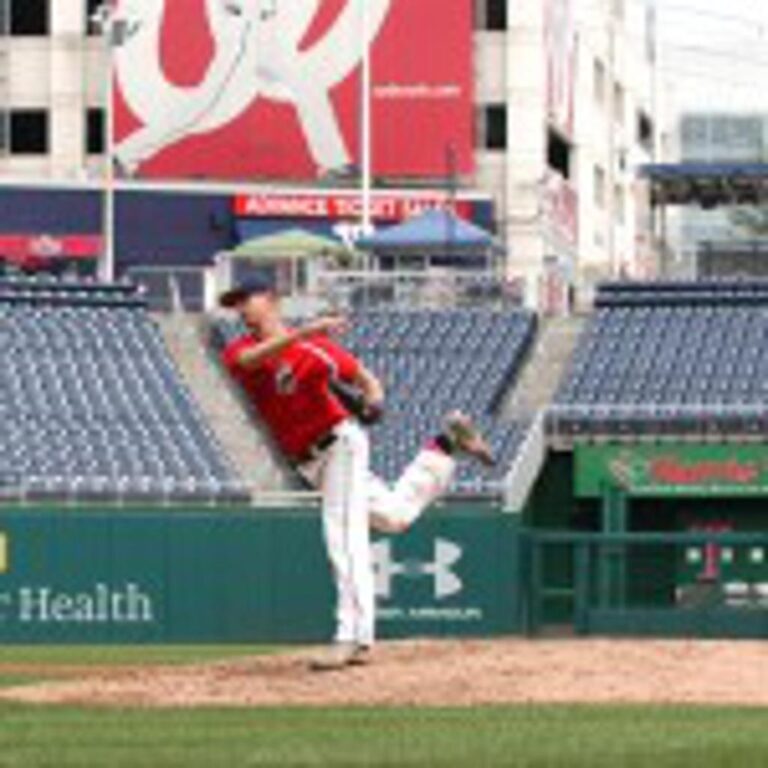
<point>654,422</point>
<point>418,289</point>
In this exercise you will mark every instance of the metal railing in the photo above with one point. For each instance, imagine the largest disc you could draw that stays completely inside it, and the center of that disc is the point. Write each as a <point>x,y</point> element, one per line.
<point>418,289</point>
<point>701,420</point>
<point>171,288</point>
<point>526,466</point>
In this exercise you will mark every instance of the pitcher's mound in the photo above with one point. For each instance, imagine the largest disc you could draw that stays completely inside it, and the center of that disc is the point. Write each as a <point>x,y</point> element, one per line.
<point>456,673</point>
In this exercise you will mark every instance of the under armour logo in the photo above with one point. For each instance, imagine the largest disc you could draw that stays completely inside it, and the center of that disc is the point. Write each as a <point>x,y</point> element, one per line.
<point>446,555</point>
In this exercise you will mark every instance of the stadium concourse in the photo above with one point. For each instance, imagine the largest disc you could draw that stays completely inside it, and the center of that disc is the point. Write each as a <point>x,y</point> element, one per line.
<point>95,409</point>
<point>118,422</point>
<point>431,361</point>
<point>655,436</point>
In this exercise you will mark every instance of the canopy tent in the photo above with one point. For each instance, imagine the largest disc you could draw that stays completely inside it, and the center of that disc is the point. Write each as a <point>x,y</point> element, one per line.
<point>434,232</point>
<point>291,244</point>
<point>292,258</point>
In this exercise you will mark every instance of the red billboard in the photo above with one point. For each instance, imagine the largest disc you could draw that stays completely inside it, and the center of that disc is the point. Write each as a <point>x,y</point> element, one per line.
<point>271,89</point>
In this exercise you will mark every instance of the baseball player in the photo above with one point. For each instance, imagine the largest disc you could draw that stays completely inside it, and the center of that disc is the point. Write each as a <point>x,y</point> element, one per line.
<point>299,380</point>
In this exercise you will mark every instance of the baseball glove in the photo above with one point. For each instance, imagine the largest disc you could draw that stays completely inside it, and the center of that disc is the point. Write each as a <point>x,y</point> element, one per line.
<point>353,399</point>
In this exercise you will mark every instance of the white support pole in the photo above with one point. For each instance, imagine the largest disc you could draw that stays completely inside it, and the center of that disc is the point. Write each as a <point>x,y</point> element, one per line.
<point>109,197</point>
<point>365,116</point>
<point>107,266</point>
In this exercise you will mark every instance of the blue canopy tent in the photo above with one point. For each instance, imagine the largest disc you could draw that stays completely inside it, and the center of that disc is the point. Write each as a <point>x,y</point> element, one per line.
<point>437,237</point>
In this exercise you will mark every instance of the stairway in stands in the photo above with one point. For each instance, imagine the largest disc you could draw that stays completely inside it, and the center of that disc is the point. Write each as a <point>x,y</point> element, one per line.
<point>545,367</point>
<point>533,394</point>
<point>248,449</point>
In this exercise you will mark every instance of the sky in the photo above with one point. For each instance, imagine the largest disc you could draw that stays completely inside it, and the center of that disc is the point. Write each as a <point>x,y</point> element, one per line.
<point>714,54</point>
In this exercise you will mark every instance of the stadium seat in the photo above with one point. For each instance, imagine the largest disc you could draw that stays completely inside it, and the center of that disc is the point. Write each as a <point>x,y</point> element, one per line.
<point>432,361</point>
<point>92,406</point>
<point>676,358</point>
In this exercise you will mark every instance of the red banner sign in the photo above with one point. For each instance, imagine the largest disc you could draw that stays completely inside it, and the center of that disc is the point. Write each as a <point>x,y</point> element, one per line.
<point>264,89</point>
<point>32,250</point>
<point>336,207</point>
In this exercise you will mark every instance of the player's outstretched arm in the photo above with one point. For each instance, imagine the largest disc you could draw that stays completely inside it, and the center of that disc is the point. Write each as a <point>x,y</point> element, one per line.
<point>253,356</point>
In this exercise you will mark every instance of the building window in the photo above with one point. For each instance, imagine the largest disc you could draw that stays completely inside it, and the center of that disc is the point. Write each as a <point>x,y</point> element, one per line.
<point>599,184</point>
<point>599,79</point>
<point>29,132</point>
<point>92,8</point>
<point>492,15</point>
<point>493,127</point>
<point>559,153</point>
<point>95,137</point>
<point>645,131</point>
<point>30,18</point>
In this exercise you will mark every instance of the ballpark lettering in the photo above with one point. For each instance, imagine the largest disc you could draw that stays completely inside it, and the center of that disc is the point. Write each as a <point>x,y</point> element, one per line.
<point>342,207</point>
<point>430,613</point>
<point>670,470</point>
<point>101,605</point>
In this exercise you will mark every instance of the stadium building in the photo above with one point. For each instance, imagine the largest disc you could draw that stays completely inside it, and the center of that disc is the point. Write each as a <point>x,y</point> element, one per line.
<point>628,493</point>
<point>536,112</point>
<point>722,237</point>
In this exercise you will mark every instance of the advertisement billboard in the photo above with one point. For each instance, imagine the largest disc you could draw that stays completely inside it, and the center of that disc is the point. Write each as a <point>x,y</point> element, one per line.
<point>244,576</point>
<point>271,89</point>
<point>672,470</point>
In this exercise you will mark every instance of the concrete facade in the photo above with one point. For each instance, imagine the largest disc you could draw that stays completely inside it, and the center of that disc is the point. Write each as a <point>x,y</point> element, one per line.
<point>571,230</point>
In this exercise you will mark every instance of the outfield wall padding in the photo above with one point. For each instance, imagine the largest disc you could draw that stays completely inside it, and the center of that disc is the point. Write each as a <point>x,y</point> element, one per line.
<point>254,576</point>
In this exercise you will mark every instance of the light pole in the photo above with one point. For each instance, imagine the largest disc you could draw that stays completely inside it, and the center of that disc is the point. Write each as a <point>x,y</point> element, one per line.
<point>104,17</point>
<point>365,117</point>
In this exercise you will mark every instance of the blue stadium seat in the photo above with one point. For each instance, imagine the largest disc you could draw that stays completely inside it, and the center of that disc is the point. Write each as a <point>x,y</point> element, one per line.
<point>431,362</point>
<point>674,357</point>
<point>93,409</point>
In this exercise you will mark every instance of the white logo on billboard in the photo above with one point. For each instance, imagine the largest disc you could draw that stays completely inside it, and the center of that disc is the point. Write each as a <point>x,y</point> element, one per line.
<point>257,52</point>
<point>446,556</point>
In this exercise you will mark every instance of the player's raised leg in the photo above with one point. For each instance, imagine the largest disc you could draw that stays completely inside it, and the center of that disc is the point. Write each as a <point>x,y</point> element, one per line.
<point>427,477</point>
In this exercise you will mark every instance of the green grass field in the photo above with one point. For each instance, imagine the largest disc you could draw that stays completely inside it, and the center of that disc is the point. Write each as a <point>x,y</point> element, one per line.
<point>573,736</point>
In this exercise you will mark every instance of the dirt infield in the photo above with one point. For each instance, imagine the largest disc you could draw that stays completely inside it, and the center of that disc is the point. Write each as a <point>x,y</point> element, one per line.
<point>458,673</point>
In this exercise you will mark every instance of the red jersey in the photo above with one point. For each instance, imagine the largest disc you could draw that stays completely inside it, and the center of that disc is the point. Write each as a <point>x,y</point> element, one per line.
<point>290,388</point>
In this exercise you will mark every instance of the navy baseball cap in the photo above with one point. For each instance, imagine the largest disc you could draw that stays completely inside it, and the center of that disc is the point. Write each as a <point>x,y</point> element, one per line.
<point>251,286</point>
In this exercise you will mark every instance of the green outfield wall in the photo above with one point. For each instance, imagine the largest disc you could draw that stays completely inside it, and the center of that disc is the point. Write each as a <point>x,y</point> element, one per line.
<point>261,576</point>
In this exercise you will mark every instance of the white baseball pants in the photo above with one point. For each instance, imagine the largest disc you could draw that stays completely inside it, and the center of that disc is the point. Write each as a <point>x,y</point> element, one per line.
<point>354,500</point>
